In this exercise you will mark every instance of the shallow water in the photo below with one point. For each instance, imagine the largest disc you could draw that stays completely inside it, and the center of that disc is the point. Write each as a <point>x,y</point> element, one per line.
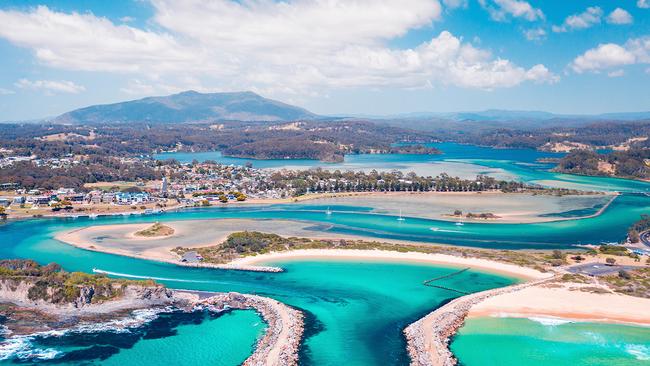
<point>515,342</point>
<point>465,161</point>
<point>355,311</point>
<point>171,339</point>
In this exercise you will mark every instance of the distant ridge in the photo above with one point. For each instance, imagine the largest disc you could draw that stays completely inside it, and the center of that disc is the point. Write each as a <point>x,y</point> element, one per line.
<point>186,107</point>
<point>501,115</point>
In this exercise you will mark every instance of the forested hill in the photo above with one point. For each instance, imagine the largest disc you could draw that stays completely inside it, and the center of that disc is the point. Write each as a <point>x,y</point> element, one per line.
<point>189,106</point>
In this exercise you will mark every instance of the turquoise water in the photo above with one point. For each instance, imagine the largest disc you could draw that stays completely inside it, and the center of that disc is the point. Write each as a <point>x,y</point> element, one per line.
<point>225,340</point>
<point>610,226</point>
<point>465,161</point>
<point>356,311</point>
<point>515,342</point>
<point>176,338</point>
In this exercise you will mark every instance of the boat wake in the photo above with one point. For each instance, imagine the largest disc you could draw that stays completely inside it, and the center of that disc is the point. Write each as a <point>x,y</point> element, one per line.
<point>118,274</point>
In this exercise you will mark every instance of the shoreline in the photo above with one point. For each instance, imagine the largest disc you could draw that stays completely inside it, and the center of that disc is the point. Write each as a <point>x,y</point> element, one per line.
<point>395,256</point>
<point>259,263</point>
<point>279,345</point>
<point>285,327</point>
<point>567,302</point>
<point>503,217</point>
<point>429,337</point>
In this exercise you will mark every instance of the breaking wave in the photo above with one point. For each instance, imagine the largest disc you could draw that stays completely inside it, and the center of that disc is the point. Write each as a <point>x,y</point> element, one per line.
<point>549,321</point>
<point>23,347</point>
<point>639,351</point>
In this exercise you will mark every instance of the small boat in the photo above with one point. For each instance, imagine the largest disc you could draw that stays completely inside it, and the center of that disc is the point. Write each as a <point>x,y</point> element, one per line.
<point>400,218</point>
<point>328,212</point>
<point>93,216</point>
<point>435,229</point>
<point>459,223</point>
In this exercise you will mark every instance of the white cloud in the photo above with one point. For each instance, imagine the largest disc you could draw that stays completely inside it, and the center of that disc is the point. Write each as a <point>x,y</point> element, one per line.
<point>298,47</point>
<point>500,10</point>
<point>619,16</point>
<point>586,19</point>
<point>611,55</point>
<point>643,4</point>
<point>535,34</point>
<point>50,86</point>
<point>4,91</point>
<point>616,73</point>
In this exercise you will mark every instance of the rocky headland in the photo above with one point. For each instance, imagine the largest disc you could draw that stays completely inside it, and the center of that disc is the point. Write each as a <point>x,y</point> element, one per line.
<point>35,298</point>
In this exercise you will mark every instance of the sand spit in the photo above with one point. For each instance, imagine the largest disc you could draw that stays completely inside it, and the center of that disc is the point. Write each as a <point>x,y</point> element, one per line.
<point>428,338</point>
<point>279,345</point>
<point>387,255</point>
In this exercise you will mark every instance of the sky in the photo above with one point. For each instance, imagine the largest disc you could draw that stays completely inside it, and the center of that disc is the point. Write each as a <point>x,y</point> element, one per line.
<point>370,57</point>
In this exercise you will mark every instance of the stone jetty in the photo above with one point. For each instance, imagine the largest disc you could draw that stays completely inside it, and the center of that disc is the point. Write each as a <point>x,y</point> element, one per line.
<point>279,345</point>
<point>428,338</point>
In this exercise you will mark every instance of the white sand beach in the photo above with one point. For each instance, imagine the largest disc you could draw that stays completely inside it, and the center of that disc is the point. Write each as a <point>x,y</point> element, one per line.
<point>566,302</point>
<point>387,255</point>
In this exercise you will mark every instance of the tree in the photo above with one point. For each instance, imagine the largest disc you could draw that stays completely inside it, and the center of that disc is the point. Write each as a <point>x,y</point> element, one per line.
<point>3,213</point>
<point>610,261</point>
<point>557,254</point>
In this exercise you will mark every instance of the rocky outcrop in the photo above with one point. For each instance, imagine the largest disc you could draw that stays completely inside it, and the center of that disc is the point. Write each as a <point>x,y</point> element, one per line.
<point>428,338</point>
<point>279,345</point>
<point>22,293</point>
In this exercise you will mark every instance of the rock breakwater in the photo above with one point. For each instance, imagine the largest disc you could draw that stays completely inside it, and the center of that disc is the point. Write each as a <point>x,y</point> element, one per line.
<point>428,338</point>
<point>279,345</point>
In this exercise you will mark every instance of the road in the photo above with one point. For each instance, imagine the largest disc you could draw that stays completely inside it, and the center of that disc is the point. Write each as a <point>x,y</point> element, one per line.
<point>645,238</point>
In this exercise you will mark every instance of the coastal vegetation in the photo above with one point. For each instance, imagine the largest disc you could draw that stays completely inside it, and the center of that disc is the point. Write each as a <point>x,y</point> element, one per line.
<point>633,233</point>
<point>251,243</point>
<point>155,230</point>
<point>51,284</point>
<point>630,282</point>
<point>633,163</point>
<point>471,215</point>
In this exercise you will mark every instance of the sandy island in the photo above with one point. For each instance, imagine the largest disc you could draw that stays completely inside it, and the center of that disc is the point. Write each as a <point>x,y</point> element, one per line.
<point>120,239</point>
<point>394,256</point>
<point>509,207</point>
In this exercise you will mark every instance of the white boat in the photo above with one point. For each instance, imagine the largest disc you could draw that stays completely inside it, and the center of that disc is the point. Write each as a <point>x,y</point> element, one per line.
<point>328,212</point>
<point>93,216</point>
<point>400,218</point>
<point>459,223</point>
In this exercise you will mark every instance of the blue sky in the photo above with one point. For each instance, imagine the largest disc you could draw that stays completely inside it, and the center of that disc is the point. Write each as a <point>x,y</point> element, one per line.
<point>332,57</point>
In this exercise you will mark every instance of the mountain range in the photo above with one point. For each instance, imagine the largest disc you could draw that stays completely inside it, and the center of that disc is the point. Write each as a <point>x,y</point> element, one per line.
<point>189,106</point>
<point>192,106</point>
